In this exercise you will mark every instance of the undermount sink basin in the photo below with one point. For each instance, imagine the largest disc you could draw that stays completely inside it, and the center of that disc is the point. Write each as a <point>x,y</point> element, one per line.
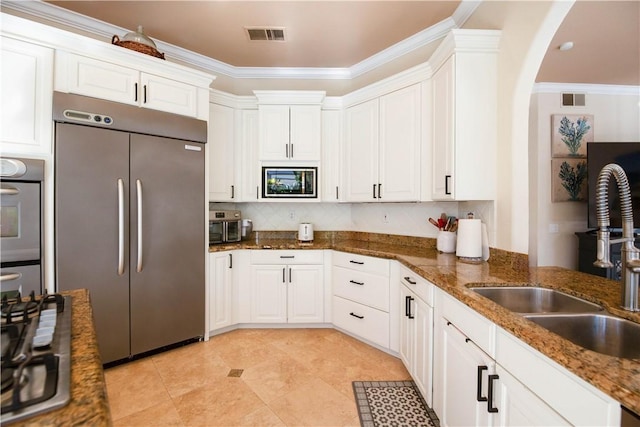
<point>535,300</point>
<point>601,333</point>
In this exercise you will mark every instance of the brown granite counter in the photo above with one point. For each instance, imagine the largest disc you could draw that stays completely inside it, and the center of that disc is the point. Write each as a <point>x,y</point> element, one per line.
<point>88,405</point>
<point>617,377</point>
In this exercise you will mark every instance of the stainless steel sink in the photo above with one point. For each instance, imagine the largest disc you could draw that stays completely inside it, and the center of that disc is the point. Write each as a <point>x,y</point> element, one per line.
<point>535,300</point>
<point>601,333</point>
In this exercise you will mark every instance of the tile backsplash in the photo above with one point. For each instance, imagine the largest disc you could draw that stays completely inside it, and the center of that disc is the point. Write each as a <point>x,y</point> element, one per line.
<point>405,219</point>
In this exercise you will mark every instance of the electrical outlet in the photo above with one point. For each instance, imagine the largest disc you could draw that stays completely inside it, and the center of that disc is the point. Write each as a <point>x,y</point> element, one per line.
<point>385,218</point>
<point>292,215</point>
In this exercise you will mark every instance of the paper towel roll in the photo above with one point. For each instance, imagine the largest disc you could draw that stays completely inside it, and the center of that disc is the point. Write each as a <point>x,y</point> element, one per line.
<point>469,238</point>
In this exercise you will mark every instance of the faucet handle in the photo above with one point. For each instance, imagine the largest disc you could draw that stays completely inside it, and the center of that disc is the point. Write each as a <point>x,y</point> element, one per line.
<point>603,250</point>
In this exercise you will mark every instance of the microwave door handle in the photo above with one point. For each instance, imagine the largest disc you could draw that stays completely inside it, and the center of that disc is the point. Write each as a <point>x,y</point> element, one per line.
<point>9,191</point>
<point>139,195</point>
<point>225,231</point>
<point>120,226</point>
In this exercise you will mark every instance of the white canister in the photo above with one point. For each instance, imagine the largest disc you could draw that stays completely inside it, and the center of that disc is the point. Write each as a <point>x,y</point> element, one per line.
<point>305,232</point>
<point>446,242</point>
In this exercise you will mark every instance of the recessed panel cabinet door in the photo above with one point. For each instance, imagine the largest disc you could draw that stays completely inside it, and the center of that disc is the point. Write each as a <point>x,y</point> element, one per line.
<point>361,151</point>
<point>305,294</point>
<point>269,293</point>
<point>167,241</point>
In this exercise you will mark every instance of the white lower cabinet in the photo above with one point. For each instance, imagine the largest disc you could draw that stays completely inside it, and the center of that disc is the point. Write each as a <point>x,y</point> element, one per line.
<point>416,331</point>
<point>287,287</point>
<point>484,376</point>
<point>464,380</point>
<point>362,296</point>
<point>519,406</point>
<point>220,291</point>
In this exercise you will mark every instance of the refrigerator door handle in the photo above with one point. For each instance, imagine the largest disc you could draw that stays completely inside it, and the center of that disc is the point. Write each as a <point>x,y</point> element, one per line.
<point>120,226</point>
<point>139,195</point>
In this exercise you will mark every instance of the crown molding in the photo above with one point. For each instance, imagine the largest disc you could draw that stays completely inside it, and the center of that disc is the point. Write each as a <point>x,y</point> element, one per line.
<point>591,89</point>
<point>103,30</point>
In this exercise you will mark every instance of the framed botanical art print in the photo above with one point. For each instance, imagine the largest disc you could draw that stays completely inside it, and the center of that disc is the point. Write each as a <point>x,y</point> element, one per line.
<point>570,135</point>
<point>568,180</point>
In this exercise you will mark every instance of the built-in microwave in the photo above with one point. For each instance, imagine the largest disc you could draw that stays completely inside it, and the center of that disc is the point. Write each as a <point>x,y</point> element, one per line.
<point>224,227</point>
<point>287,182</point>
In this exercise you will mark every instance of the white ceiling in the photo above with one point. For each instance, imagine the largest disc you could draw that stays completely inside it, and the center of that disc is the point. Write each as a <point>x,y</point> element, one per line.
<point>333,36</point>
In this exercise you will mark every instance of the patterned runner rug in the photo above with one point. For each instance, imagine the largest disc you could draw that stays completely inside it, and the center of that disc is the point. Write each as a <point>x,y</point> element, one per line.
<point>392,403</point>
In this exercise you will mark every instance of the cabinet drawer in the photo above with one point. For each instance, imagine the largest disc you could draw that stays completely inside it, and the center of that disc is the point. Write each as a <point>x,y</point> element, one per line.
<point>421,287</point>
<point>363,321</point>
<point>286,257</point>
<point>361,263</point>
<point>365,288</point>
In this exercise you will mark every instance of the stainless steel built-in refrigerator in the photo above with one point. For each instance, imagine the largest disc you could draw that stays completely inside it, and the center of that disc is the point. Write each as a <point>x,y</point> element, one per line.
<point>129,221</point>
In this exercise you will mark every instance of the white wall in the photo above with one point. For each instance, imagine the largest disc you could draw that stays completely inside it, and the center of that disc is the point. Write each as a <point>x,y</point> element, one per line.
<point>616,119</point>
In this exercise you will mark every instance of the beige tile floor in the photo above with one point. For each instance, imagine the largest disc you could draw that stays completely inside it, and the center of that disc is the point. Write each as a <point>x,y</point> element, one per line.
<point>291,377</point>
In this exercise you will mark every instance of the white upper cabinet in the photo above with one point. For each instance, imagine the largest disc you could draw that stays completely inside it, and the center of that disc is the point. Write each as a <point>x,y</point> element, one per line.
<point>289,124</point>
<point>383,147</point>
<point>289,132</point>
<point>105,80</point>
<point>27,88</point>
<point>464,109</point>
<point>330,173</point>
<point>221,151</point>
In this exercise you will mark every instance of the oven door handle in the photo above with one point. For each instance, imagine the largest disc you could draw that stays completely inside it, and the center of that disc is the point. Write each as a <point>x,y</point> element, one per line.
<point>10,276</point>
<point>139,191</point>
<point>120,226</point>
<point>9,191</point>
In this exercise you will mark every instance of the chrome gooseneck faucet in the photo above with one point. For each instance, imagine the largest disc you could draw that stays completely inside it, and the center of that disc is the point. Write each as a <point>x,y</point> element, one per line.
<point>629,253</point>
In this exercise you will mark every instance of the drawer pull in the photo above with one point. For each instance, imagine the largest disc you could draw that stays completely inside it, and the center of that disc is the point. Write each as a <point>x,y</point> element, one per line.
<point>357,262</point>
<point>408,279</point>
<point>287,256</point>
<point>355,315</point>
<point>356,283</point>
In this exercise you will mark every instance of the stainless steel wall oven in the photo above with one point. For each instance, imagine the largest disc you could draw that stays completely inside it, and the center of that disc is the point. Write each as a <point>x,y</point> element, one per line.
<point>21,220</point>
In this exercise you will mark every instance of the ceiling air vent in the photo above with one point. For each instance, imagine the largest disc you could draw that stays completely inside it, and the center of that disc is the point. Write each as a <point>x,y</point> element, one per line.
<point>573,99</point>
<point>265,34</point>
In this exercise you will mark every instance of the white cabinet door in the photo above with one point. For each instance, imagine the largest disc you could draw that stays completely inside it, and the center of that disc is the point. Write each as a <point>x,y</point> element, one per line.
<point>274,132</point>
<point>104,80</point>
<point>361,152</point>
<point>465,127</point>
<point>220,293</point>
<point>416,340</point>
<point>305,132</point>
<point>248,163</point>
<point>519,406</point>
<point>27,89</point>
<point>330,166</point>
<point>269,294</point>
<point>287,293</point>
<point>305,295</point>
<point>168,95</point>
<point>443,116</point>
<point>462,380</point>
<point>221,150</point>
<point>400,137</point>
<point>407,330</point>
<point>289,132</point>
<point>423,366</point>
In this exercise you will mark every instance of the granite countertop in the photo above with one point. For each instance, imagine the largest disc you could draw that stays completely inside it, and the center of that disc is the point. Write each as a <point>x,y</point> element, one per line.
<point>617,377</point>
<point>88,404</point>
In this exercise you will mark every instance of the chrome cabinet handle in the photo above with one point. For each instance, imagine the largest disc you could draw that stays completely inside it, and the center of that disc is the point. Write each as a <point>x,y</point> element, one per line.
<point>120,226</point>
<point>10,276</point>
<point>139,195</point>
